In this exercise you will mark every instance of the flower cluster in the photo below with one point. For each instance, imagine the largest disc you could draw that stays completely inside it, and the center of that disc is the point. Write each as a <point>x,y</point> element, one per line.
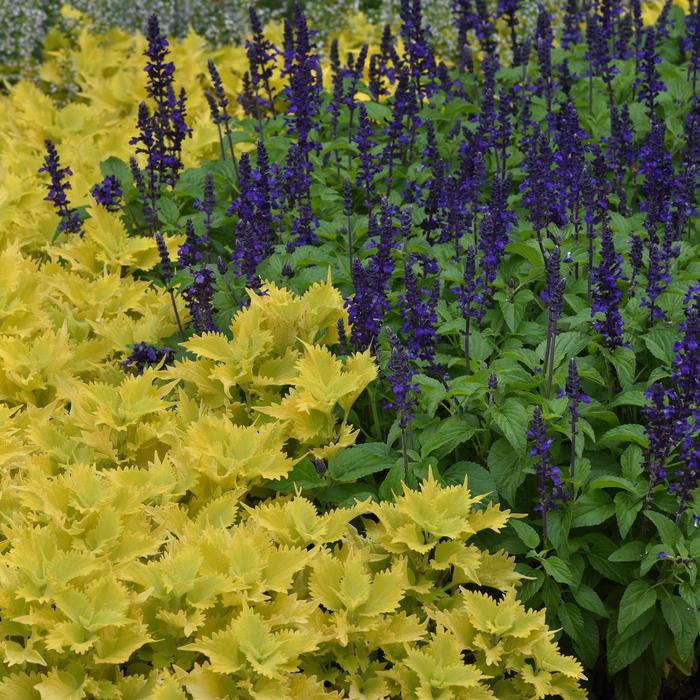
<point>550,488</point>
<point>401,372</point>
<point>70,218</point>
<point>144,355</point>
<point>606,292</point>
<point>672,418</point>
<point>108,193</point>
<point>162,132</point>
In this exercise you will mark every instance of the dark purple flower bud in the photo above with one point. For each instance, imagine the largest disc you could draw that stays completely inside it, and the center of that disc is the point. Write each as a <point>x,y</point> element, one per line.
<point>419,311</point>
<point>198,297</point>
<point>550,488</point>
<point>543,46</point>
<point>657,281</point>
<point>570,158</point>
<point>303,92</point>
<point>660,181</point>
<point>261,58</point>
<point>493,382</point>
<point>144,355</point>
<point>624,37</point>
<point>571,33</point>
<point>189,253</point>
<point>206,205</point>
<point>636,259</point>
<point>253,208</point>
<point>221,266</point>
<point>388,55</point>
<point>541,189</point>
<point>485,28</point>
<point>575,393</point>
<point>400,376</point>
<point>649,82</point>
<point>221,100</point>
<point>497,223</point>
<point>606,292</point>
<point>375,78</point>
<point>166,265</point>
<point>108,193</point>
<point>418,53</point>
<point>160,72</point>
<point>464,19</point>
<point>342,336</point>
<point>59,185</point>
<point>470,301</point>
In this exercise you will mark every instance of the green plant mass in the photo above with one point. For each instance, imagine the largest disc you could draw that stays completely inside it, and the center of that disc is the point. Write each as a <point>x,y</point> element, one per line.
<point>352,361</point>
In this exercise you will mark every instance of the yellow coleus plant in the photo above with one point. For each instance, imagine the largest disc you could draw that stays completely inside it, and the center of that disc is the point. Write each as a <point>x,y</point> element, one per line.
<point>281,341</point>
<point>106,572</point>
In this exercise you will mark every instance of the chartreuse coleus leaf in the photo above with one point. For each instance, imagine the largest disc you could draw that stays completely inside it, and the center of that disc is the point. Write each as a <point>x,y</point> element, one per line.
<point>252,640</point>
<point>504,629</point>
<point>297,521</point>
<point>418,520</point>
<point>231,455</point>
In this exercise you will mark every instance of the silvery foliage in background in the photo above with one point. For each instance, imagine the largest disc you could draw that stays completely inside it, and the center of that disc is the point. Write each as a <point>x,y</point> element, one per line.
<point>437,14</point>
<point>23,25</point>
<point>219,21</point>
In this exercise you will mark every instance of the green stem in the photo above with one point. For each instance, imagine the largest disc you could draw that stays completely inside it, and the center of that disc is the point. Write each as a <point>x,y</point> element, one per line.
<point>404,449</point>
<point>375,414</point>
<point>177,315</point>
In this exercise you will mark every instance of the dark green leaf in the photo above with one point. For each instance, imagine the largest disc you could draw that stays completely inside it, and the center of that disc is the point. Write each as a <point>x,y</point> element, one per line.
<point>660,344</point>
<point>528,588</point>
<point>644,676</point>
<point>592,508</point>
<point>304,475</point>
<point>479,480</point>
<point>377,112</point>
<point>432,392</point>
<point>683,623</point>
<point>627,507</point>
<point>611,481</point>
<point>587,648</point>
<point>117,167</point>
<point>631,462</point>
<point>357,461</point>
<point>667,529</point>
<point>623,360</point>
<point>558,525</point>
<point>392,486</point>
<point>507,467</point>
<point>651,558</point>
<point>622,653</point>
<point>168,212</point>
<point>559,570</point>
<point>441,437</point>
<point>630,551</point>
<point>527,534</point>
<point>638,597</point>
<point>632,432</point>
<point>528,250</point>
<point>587,598</point>
<point>572,621</point>
<point>512,419</point>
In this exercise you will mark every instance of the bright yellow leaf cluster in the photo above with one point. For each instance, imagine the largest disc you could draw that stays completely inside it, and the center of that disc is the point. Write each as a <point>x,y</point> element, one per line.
<point>115,583</point>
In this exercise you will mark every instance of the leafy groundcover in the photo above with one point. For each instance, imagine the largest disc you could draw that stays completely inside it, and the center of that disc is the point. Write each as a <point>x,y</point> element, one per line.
<point>347,363</point>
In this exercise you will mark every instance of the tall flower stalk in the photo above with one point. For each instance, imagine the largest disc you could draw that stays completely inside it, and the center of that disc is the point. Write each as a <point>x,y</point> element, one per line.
<point>549,488</point>
<point>576,396</point>
<point>401,371</point>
